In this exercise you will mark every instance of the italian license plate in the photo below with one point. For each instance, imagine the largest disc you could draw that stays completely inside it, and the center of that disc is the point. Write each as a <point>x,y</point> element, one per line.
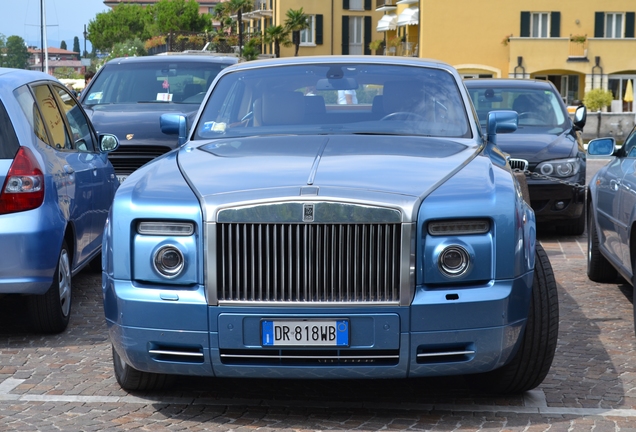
<point>121,178</point>
<point>305,332</point>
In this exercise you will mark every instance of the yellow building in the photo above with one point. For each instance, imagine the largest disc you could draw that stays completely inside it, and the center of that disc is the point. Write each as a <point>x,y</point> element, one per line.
<point>577,45</point>
<point>335,26</point>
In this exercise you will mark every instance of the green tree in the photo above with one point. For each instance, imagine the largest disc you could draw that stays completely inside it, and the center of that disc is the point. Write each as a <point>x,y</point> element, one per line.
<point>17,55</point>
<point>238,7</point>
<point>296,21</point>
<point>3,44</point>
<point>63,45</point>
<point>130,48</point>
<point>278,35</point>
<point>597,98</point>
<point>176,15</point>
<point>76,47</point>
<point>124,22</point>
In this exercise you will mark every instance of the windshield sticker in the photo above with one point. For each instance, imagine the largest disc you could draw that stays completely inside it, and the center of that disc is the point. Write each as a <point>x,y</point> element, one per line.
<point>166,97</point>
<point>214,127</point>
<point>95,96</point>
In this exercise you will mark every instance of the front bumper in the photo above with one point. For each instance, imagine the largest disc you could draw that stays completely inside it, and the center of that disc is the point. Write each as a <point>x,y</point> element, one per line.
<point>443,332</point>
<point>556,201</point>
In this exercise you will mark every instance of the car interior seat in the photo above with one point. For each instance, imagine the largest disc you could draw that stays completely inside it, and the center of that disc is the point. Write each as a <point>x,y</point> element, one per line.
<point>280,108</point>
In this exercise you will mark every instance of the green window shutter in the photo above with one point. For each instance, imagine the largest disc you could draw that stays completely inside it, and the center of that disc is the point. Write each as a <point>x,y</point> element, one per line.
<point>367,4</point>
<point>367,35</point>
<point>319,30</point>
<point>345,35</point>
<point>555,24</point>
<point>525,24</point>
<point>345,4</point>
<point>630,17</point>
<point>599,24</point>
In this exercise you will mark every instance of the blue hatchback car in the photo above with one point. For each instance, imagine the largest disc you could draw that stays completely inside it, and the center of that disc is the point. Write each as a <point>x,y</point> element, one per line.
<point>57,187</point>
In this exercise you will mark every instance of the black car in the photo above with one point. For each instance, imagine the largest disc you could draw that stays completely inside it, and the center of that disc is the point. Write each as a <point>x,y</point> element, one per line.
<point>546,146</point>
<point>128,95</point>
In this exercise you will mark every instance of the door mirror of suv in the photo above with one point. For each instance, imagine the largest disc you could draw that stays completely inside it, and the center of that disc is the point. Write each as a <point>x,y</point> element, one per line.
<point>501,121</point>
<point>580,116</point>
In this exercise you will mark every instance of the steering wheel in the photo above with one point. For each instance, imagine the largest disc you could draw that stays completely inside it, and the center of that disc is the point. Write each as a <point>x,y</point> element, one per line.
<point>403,115</point>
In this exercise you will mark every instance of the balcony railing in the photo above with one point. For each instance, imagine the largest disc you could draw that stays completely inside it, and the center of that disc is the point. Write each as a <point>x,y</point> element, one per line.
<point>578,48</point>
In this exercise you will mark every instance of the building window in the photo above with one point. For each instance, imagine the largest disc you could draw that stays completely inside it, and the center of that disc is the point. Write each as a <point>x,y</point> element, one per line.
<point>614,25</point>
<point>356,4</point>
<point>355,35</point>
<point>307,36</point>
<point>540,24</point>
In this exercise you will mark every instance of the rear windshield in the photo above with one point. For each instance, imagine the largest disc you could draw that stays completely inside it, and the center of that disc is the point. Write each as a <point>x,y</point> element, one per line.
<point>540,111</point>
<point>157,82</point>
<point>335,98</point>
<point>8,140</point>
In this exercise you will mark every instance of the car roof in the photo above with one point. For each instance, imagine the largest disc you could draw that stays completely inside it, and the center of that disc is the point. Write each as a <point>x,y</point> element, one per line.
<point>508,83</point>
<point>13,78</point>
<point>197,58</point>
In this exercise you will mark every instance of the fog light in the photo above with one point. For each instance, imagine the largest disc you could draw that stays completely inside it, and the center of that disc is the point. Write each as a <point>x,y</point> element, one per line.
<point>169,261</point>
<point>454,261</point>
<point>560,205</point>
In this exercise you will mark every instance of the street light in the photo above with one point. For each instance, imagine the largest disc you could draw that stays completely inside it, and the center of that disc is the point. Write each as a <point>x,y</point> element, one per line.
<point>85,34</point>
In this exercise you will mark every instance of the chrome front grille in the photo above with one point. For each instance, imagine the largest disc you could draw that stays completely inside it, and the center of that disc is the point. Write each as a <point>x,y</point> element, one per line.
<point>295,262</point>
<point>520,164</point>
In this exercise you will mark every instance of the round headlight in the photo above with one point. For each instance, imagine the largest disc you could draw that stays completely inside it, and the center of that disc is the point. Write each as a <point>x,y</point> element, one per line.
<point>565,169</point>
<point>169,261</point>
<point>546,169</point>
<point>454,261</point>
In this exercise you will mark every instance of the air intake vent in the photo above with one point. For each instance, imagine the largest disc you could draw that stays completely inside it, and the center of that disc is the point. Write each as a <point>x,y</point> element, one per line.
<point>311,357</point>
<point>127,158</point>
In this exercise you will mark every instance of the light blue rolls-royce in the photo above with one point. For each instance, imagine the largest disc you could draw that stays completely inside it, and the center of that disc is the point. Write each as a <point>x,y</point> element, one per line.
<point>293,236</point>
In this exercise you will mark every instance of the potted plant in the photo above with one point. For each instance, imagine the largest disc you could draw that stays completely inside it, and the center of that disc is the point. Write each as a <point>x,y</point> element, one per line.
<point>578,38</point>
<point>375,45</point>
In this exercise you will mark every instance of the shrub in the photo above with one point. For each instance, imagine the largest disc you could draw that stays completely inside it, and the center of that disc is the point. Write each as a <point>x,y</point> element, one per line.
<point>598,98</point>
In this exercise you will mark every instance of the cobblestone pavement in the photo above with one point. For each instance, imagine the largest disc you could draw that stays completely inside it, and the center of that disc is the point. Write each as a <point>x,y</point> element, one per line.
<point>65,382</point>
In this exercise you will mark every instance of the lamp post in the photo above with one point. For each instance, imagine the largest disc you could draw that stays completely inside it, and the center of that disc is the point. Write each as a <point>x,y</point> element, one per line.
<point>85,34</point>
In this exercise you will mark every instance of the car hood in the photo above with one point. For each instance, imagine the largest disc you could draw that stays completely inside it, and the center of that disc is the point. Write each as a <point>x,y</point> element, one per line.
<point>259,168</point>
<point>137,123</point>
<point>536,148</point>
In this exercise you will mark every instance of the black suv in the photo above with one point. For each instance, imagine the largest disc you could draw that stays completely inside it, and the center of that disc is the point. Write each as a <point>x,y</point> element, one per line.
<point>128,95</point>
<point>546,146</point>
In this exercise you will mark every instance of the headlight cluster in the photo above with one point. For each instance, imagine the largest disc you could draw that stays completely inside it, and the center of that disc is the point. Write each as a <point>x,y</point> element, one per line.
<point>559,167</point>
<point>165,240</point>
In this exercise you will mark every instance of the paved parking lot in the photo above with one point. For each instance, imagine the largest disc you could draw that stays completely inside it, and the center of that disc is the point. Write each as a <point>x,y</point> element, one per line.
<point>65,382</point>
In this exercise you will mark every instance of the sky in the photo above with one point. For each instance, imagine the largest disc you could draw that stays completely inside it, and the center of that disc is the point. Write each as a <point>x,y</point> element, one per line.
<point>65,19</point>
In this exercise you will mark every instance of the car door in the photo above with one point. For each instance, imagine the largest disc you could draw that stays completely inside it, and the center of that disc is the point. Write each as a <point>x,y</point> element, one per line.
<point>78,172</point>
<point>627,198</point>
<point>608,208</point>
<point>103,175</point>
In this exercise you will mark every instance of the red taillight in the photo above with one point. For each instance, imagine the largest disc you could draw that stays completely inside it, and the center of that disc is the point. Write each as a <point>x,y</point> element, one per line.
<point>23,188</point>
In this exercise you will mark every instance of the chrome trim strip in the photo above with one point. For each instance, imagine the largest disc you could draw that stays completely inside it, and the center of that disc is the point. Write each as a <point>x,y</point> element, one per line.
<point>336,357</point>
<point>324,212</point>
<point>176,353</point>
<point>445,354</point>
<point>210,264</point>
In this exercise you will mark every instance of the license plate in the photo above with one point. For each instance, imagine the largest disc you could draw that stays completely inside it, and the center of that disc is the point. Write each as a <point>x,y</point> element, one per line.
<point>121,178</point>
<point>305,333</point>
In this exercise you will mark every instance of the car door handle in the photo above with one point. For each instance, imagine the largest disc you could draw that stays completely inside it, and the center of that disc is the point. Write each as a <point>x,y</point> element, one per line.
<point>68,169</point>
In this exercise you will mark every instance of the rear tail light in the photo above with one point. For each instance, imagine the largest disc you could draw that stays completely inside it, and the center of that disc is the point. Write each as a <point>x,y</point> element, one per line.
<point>23,188</point>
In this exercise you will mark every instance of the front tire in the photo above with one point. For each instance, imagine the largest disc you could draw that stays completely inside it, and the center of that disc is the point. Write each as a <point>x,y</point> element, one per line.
<point>530,365</point>
<point>131,379</point>
<point>599,268</point>
<point>51,311</point>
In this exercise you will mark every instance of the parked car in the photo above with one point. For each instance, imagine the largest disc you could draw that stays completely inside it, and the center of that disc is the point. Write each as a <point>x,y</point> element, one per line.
<point>545,146</point>
<point>57,187</point>
<point>611,249</point>
<point>292,237</point>
<point>128,95</point>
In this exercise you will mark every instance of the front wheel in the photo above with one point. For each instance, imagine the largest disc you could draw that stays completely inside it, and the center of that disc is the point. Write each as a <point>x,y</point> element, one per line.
<point>132,379</point>
<point>599,268</point>
<point>51,311</point>
<point>530,365</point>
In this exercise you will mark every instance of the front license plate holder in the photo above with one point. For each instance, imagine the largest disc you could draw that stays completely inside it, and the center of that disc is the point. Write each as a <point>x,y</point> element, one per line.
<point>306,332</point>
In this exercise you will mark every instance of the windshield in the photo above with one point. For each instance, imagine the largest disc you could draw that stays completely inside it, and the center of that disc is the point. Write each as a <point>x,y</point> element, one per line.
<point>335,98</point>
<point>155,82</point>
<point>539,110</point>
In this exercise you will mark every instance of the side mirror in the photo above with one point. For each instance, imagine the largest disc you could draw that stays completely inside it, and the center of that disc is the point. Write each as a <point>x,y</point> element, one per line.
<point>580,117</point>
<point>175,124</point>
<point>501,121</point>
<point>108,143</point>
<point>601,147</point>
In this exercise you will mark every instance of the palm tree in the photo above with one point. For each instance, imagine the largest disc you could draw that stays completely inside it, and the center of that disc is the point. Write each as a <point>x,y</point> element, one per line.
<point>238,7</point>
<point>278,35</point>
<point>296,21</point>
